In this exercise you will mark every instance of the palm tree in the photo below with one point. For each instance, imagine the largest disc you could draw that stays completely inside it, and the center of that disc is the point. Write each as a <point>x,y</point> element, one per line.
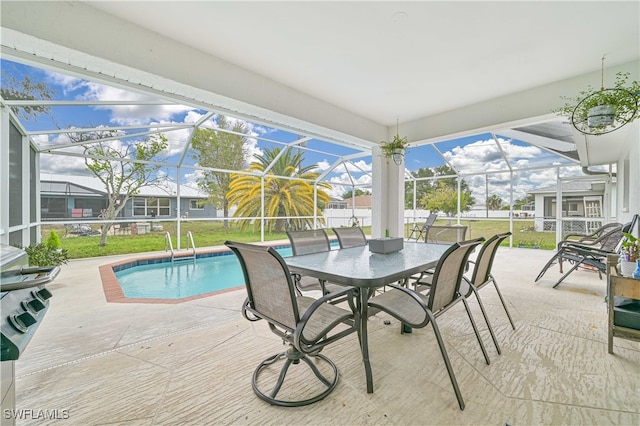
<point>494,202</point>
<point>288,191</point>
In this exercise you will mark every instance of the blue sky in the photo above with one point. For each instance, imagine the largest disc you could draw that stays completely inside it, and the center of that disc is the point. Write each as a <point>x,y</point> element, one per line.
<point>473,154</point>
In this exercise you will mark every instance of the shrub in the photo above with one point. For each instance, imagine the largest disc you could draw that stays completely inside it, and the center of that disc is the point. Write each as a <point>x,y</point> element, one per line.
<point>53,241</point>
<point>44,255</point>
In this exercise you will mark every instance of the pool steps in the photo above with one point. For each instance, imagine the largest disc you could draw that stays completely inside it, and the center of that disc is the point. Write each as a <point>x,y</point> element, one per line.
<point>168,245</point>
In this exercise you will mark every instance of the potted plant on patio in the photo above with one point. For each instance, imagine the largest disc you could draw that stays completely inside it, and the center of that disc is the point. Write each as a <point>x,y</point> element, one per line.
<point>630,254</point>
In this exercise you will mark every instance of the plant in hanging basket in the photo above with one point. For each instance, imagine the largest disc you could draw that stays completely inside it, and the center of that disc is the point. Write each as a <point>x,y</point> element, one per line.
<point>398,143</point>
<point>599,111</point>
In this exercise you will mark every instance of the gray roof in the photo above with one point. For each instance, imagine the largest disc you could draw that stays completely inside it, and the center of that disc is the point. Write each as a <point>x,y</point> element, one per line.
<point>570,186</point>
<point>165,189</point>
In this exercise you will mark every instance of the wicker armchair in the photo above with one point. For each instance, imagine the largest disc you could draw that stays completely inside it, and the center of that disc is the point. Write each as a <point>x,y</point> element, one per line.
<point>307,325</point>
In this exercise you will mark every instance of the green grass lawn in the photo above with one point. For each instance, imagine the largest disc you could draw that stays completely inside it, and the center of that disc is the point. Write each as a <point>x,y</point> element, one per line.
<point>207,234</point>
<point>204,234</point>
<point>524,233</point>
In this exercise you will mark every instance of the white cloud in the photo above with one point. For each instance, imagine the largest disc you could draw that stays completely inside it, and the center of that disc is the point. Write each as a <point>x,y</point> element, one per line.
<point>119,114</point>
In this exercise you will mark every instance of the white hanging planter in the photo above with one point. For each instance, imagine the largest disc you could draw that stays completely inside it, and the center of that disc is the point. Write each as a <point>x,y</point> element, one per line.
<point>397,155</point>
<point>601,116</point>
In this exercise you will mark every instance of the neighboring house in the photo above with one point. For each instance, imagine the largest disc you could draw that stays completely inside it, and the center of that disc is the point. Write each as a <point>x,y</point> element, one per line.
<point>359,201</point>
<point>337,203</point>
<point>84,197</point>
<point>582,206</point>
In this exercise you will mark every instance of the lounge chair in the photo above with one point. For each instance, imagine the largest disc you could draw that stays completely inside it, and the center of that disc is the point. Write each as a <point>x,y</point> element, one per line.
<point>592,239</point>
<point>419,231</point>
<point>591,254</point>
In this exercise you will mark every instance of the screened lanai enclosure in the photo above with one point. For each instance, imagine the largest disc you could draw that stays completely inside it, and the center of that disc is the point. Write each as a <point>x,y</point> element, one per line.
<point>72,141</point>
<point>106,140</point>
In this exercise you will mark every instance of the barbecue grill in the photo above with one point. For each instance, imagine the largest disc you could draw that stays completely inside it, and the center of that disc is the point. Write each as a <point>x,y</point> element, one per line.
<point>23,303</point>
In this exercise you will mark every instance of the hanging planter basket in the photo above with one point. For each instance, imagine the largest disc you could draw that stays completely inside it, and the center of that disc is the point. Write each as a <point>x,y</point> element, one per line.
<point>601,116</point>
<point>605,111</point>
<point>596,112</point>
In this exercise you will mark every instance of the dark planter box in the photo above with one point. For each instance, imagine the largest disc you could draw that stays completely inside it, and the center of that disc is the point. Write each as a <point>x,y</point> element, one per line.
<point>386,245</point>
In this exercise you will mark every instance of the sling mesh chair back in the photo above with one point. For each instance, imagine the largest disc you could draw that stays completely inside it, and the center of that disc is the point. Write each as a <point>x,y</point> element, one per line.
<point>482,276</point>
<point>419,231</point>
<point>352,236</point>
<point>592,239</point>
<point>306,324</point>
<point>445,234</point>
<point>417,310</point>
<point>309,242</point>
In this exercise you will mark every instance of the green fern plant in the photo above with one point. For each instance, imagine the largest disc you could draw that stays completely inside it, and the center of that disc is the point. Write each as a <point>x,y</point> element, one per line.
<point>396,143</point>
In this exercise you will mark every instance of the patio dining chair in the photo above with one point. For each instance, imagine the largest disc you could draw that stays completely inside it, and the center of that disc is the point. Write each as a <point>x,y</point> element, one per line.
<point>352,236</point>
<point>445,234</point>
<point>307,325</point>
<point>308,242</point>
<point>419,231</point>
<point>482,276</point>
<point>416,310</point>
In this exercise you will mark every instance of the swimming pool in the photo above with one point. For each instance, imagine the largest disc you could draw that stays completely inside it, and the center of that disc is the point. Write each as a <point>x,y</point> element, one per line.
<point>160,279</point>
<point>183,278</point>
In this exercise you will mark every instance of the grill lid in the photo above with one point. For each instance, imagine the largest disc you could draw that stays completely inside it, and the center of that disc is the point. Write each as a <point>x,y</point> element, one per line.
<point>11,257</point>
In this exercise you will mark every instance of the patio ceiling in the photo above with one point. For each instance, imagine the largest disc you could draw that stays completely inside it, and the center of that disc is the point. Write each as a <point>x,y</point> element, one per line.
<point>345,71</point>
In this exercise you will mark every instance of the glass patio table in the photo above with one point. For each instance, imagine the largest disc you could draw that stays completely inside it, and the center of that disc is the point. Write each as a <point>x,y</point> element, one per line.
<point>366,271</point>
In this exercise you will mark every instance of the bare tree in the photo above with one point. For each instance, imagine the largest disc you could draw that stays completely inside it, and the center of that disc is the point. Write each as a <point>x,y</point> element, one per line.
<point>123,168</point>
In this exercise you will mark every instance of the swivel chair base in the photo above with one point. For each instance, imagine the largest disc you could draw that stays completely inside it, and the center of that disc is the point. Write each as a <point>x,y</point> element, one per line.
<point>293,356</point>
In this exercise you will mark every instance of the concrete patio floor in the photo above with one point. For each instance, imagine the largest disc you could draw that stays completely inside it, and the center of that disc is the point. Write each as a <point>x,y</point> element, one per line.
<point>191,363</point>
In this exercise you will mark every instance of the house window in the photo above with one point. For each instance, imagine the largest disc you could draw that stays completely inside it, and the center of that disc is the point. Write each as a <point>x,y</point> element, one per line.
<point>570,208</point>
<point>196,204</point>
<point>151,207</point>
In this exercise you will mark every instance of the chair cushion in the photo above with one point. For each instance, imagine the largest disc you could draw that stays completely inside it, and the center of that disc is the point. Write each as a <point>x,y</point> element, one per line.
<point>626,312</point>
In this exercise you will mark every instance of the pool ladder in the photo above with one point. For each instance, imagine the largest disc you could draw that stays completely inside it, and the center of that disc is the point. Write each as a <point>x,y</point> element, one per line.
<point>168,245</point>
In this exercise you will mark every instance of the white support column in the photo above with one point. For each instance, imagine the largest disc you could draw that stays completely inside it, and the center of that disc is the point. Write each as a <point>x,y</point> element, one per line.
<point>4,175</point>
<point>388,197</point>
<point>26,191</point>
<point>559,235</point>
<point>38,198</point>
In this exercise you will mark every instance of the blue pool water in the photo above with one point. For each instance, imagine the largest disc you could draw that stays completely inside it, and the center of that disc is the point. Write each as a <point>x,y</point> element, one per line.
<point>184,278</point>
